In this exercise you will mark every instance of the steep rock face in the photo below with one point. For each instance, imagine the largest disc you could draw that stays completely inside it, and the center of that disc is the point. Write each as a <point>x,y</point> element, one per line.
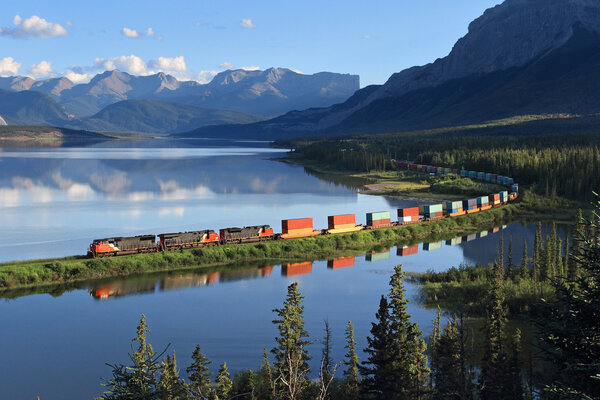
<point>54,86</point>
<point>505,36</point>
<point>16,83</point>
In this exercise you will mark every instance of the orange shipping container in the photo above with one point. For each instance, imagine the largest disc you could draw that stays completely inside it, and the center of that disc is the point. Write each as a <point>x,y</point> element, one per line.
<point>341,262</point>
<point>299,223</point>
<point>408,212</point>
<point>381,222</point>
<point>334,221</point>
<point>296,269</point>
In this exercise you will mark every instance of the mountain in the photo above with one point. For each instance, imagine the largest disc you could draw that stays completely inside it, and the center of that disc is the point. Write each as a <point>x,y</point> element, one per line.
<point>32,108</point>
<point>157,117</point>
<point>523,56</point>
<point>271,92</point>
<point>53,86</point>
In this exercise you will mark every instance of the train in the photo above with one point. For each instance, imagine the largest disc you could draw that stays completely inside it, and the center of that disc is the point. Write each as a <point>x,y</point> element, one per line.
<point>303,227</point>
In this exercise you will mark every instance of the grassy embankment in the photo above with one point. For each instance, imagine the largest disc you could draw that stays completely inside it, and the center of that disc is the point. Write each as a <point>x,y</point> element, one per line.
<point>73,269</point>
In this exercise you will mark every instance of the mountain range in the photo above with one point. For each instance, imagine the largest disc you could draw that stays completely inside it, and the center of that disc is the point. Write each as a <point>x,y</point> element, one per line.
<point>233,96</point>
<point>520,57</point>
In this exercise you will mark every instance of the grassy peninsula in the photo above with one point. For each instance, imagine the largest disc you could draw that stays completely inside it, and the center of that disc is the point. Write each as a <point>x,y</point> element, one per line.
<point>73,269</point>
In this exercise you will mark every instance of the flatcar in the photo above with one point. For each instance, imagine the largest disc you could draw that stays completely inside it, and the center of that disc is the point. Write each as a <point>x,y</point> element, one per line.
<point>187,240</point>
<point>247,234</point>
<point>120,246</point>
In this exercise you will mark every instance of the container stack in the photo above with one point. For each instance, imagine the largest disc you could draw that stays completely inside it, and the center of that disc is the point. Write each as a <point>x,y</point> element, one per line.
<point>377,219</point>
<point>342,223</point>
<point>470,238</point>
<point>470,205</point>
<point>482,234</point>
<point>433,211</point>
<point>454,242</point>
<point>488,177</point>
<point>515,188</point>
<point>454,208</point>
<point>408,250</point>
<point>299,227</point>
<point>483,202</point>
<point>464,173</point>
<point>500,179</point>
<point>472,174</point>
<point>378,255</point>
<point>406,215</point>
<point>296,269</point>
<point>494,199</point>
<point>503,196</point>
<point>481,176</point>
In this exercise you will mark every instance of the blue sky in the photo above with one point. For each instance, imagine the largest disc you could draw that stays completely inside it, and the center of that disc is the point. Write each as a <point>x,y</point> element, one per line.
<point>196,39</point>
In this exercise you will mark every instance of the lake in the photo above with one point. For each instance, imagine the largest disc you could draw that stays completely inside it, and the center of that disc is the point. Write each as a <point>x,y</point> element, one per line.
<point>53,202</point>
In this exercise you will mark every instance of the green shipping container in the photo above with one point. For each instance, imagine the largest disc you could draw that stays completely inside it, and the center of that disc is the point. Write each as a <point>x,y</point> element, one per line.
<point>454,205</point>
<point>454,242</point>
<point>432,246</point>
<point>378,216</point>
<point>377,256</point>
<point>433,208</point>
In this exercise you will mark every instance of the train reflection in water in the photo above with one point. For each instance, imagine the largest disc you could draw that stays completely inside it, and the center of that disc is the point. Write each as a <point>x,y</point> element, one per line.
<point>178,281</point>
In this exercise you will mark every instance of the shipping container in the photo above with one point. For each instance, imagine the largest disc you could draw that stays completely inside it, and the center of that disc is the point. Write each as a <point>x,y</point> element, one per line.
<point>472,174</point>
<point>456,171</point>
<point>432,246</point>
<point>408,212</point>
<point>464,173</point>
<point>469,204</point>
<point>482,234</point>
<point>481,176</point>
<point>298,223</point>
<point>379,223</point>
<point>334,221</point>
<point>432,208</point>
<point>483,200</point>
<point>408,219</point>
<point>515,188</point>
<point>378,216</point>
<point>488,177</point>
<point>471,237</point>
<point>408,250</point>
<point>341,262</point>
<point>454,205</point>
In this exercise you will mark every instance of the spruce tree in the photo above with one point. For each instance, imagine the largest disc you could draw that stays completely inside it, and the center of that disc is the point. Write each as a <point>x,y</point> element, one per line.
<point>377,369</point>
<point>579,234</point>
<point>558,259</point>
<point>223,383</point>
<point>524,268</point>
<point>199,375</point>
<point>326,373</point>
<point>436,333</point>
<point>291,355</point>
<point>410,369</point>
<point>493,364</point>
<point>514,381</point>
<point>537,249</point>
<point>509,267</point>
<point>352,383</point>
<point>447,371</point>
<point>170,385</point>
<point>571,327</point>
<point>265,385</point>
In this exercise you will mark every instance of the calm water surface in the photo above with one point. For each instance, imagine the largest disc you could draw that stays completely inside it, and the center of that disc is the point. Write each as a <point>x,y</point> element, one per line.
<point>53,202</point>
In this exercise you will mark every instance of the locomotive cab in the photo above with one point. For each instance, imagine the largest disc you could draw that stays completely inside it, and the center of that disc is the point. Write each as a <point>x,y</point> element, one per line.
<point>101,246</point>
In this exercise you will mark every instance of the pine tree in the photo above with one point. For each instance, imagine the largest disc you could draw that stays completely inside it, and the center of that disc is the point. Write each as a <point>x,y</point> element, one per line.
<point>514,382</point>
<point>501,252</point>
<point>352,384</point>
<point>509,267</point>
<point>524,268</point>
<point>377,369</point>
<point>436,332</point>
<point>447,372</point>
<point>567,261</point>
<point>559,259</point>
<point>547,270</point>
<point>223,383</point>
<point>537,249</point>
<point>199,375</point>
<point>571,326</point>
<point>491,377</point>
<point>170,385</point>
<point>291,356</point>
<point>410,369</point>
<point>579,234</point>
<point>265,385</point>
<point>327,369</point>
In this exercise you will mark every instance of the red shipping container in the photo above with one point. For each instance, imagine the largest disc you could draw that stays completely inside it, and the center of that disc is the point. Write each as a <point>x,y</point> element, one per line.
<point>456,171</point>
<point>212,278</point>
<point>296,269</point>
<point>298,223</point>
<point>495,197</point>
<point>381,222</point>
<point>407,251</point>
<point>266,271</point>
<point>337,220</point>
<point>341,262</point>
<point>408,212</point>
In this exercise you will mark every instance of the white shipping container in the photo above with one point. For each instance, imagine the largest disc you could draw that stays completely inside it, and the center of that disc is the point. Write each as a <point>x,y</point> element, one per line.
<point>405,219</point>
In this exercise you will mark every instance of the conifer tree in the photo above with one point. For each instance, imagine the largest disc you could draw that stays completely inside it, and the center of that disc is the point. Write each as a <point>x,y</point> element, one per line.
<point>377,369</point>
<point>566,260</point>
<point>571,326</point>
<point>436,332</point>
<point>579,234</point>
<point>514,381</point>
<point>223,383</point>
<point>559,259</point>
<point>352,384</point>
<point>291,356</point>
<point>493,364</point>
<point>199,375</point>
<point>509,266</point>
<point>265,387</point>
<point>547,269</point>
<point>524,268</point>
<point>327,367</point>
<point>537,249</point>
<point>170,385</point>
<point>447,370</point>
<point>501,252</point>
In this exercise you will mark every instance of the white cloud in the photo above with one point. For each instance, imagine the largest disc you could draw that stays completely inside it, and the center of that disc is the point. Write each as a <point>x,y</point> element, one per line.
<point>149,32</point>
<point>205,76</point>
<point>131,64</point>
<point>41,70</point>
<point>226,65</point>
<point>33,26</point>
<point>68,23</point>
<point>247,23</point>
<point>251,68</point>
<point>169,64</point>
<point>367,37</point>
<point>130,33</point>
<point>297,71</point>
<point>8,66</point>
<point>77,77</point>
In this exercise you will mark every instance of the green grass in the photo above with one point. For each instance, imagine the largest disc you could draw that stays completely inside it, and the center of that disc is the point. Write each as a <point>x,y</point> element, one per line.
<point>74,269</point>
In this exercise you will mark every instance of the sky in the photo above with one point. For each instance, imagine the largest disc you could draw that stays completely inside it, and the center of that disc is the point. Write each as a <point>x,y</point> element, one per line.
<point>196,39</point>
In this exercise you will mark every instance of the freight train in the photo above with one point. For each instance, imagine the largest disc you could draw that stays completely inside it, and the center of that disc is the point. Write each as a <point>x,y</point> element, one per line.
<point>303,227</point>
